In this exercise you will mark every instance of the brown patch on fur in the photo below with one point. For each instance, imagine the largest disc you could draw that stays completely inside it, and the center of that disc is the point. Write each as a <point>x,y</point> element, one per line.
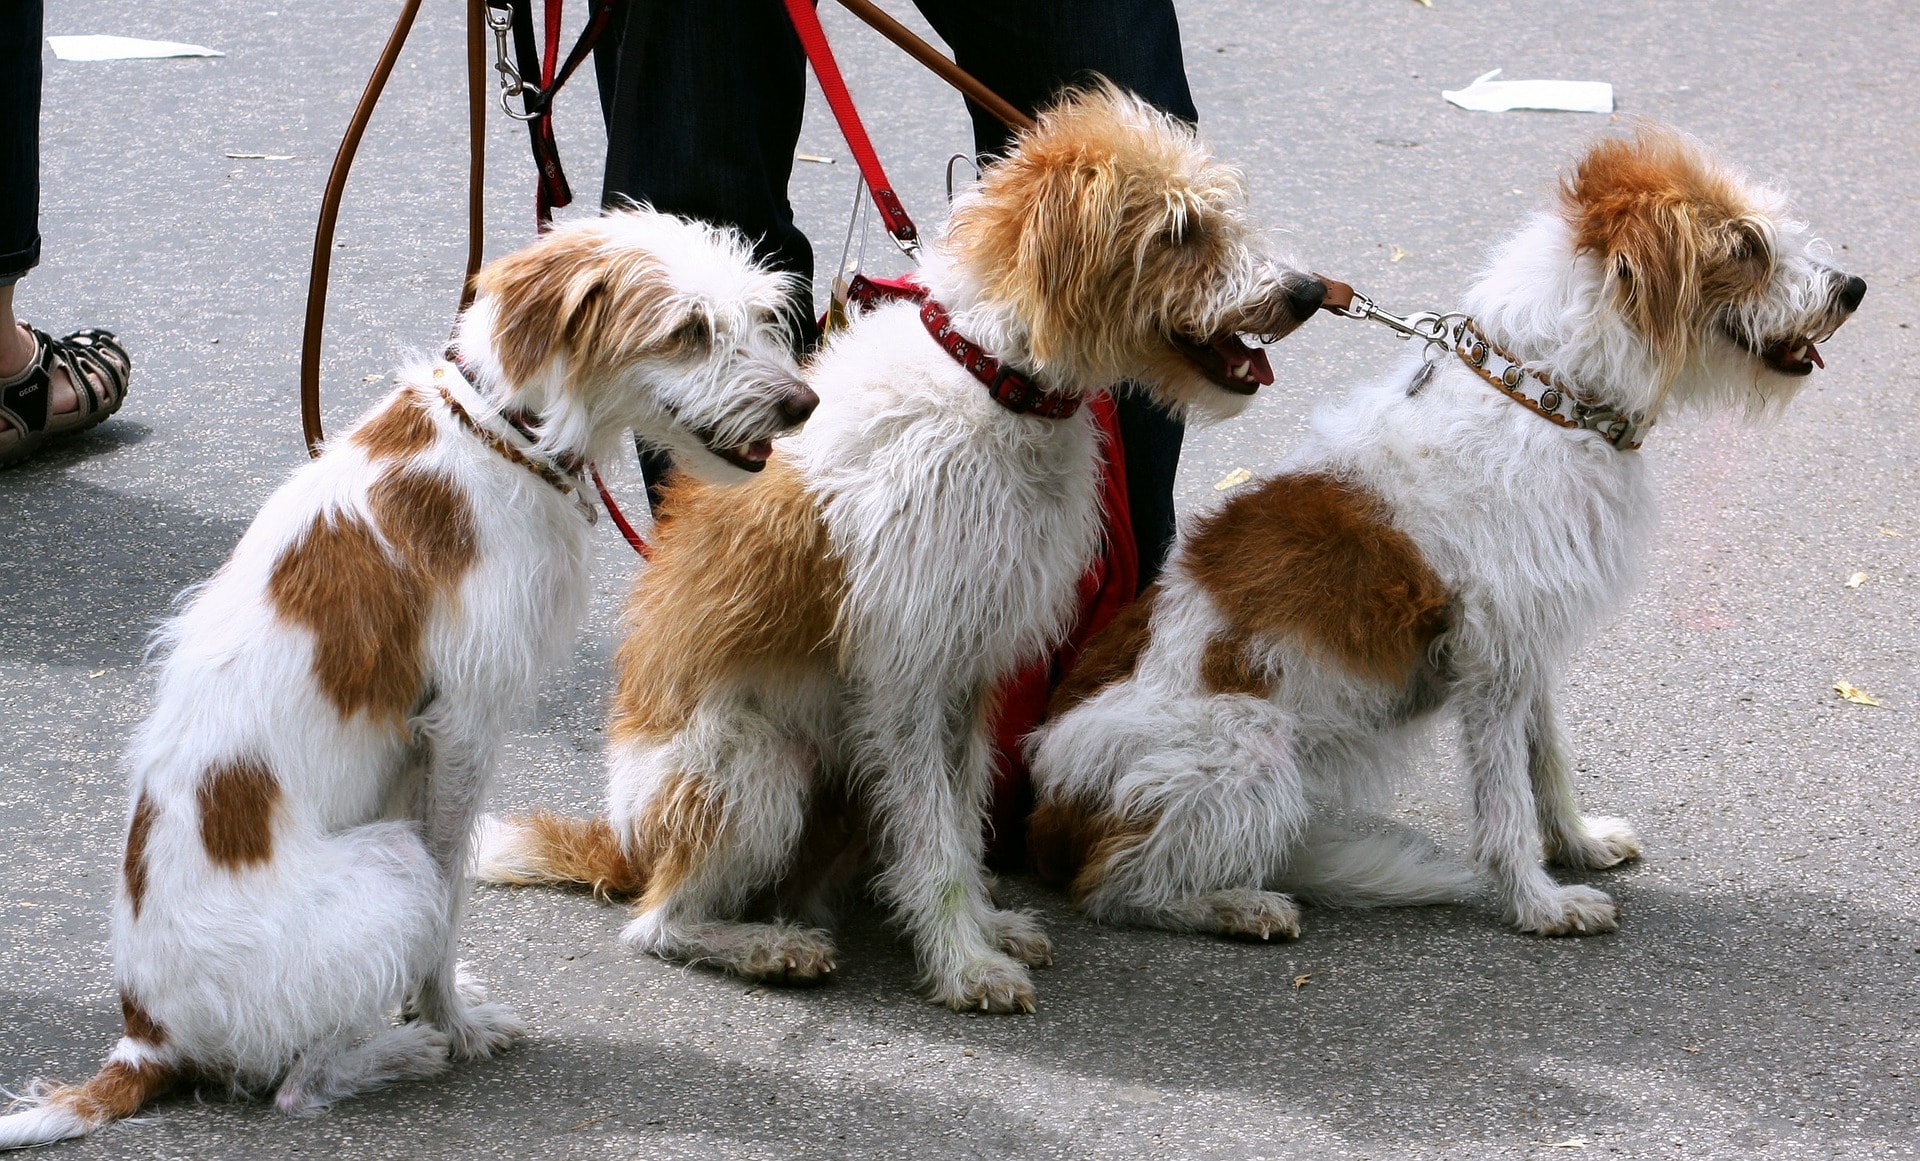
<point>582,852</point>
<point>133,867</point>
<point>1313,558</point>
<point>399,430</point>
<point>742,580</point>
<point>139,1025</point>
<point>681,825</point>
<point>367,605</point>
<point>116,1091</point>
<point>1073,845</point>
<point>428,523</point>
<point>1110,657</point>
<point>237,802</point>
<point>1226,668</point>
<point>580,294</point>
<point>1675,232</point>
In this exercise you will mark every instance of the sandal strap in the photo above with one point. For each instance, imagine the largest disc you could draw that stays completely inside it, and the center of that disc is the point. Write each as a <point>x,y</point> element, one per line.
<point>26,398</point>
<point>97,351</point>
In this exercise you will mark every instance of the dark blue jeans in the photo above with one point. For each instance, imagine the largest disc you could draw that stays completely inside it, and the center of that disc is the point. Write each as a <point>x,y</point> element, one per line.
<point>703,100</point>
<point>20,22</point>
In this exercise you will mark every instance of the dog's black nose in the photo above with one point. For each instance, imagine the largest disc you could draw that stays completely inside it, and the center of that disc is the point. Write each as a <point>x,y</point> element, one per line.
<point>798,405</point>
<point>1852,291</point>
<point>1305,296</point>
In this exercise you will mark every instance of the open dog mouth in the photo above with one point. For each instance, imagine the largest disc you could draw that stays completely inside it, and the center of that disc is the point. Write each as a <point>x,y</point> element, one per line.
<point>1229,363</point>
<point>748,457</point>
<point>1792,355</point>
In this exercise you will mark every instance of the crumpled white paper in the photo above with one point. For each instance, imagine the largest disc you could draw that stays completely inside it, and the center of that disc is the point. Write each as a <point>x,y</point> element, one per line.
<point>1486,95</point>
<point>123,48</point>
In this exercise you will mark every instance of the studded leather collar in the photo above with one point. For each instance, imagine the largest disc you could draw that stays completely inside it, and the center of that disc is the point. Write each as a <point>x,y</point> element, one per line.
<point>1007,387</point>
<point>1563,405</point>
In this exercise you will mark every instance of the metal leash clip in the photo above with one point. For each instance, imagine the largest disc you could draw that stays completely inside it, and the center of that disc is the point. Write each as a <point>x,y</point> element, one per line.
<point>500,21</point>
<point>1427,326</point>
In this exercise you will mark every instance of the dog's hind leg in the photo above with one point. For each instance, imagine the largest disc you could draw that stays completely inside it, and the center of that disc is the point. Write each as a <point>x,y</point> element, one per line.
<point>1495,720</point>
<point>1588,842</point>
<point>1194,832</point>
<point>715,817</point>
<point>340,1068</point>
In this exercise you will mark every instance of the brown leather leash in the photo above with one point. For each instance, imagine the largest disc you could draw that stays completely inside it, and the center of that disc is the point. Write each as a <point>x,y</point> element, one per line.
<point>336,187</point>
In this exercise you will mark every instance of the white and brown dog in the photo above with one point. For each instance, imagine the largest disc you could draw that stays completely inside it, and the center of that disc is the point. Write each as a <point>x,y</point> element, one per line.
<point>834,632</point>
<point>331,702</point>
<point>1447,536</point>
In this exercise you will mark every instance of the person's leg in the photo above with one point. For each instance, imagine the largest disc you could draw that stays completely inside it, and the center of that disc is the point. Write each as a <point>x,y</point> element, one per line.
<point>703,104</point>
<point>20,27</point>
<point>38,391</point>
<point>1026,51</point>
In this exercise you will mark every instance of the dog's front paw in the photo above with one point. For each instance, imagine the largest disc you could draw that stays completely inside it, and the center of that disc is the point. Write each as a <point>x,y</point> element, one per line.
<point>1018,934</point>
<point>1247,914</point>
<point>481,1030</point>
<point>1602,842</point>
<point>993,983</point>
<point>1570,911</point>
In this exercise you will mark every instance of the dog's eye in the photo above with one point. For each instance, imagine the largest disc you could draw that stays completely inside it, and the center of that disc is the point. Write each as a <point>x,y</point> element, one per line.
<point>694,334</point>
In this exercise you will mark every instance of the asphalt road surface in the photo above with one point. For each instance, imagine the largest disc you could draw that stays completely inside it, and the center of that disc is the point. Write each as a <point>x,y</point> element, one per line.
<point>1760,999</point>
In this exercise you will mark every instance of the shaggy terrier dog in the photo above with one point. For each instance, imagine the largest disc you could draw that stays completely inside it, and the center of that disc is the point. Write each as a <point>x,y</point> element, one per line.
<point>331,702</point>
<point>1445,537</point>
<point>823,645</point>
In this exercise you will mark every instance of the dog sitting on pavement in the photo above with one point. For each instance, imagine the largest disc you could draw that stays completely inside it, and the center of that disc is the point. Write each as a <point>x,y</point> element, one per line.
<point>826,642</point>
<point>331,702</point>
<point>1445,537</point>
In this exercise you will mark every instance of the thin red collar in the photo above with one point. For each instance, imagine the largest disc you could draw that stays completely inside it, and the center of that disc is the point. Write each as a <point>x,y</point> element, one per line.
<point>1008,387</point>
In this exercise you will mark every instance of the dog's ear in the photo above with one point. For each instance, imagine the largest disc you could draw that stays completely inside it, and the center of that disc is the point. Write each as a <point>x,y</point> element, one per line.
<point>1096,201</point>
<point>1668,227</point>
<point>581,294</point>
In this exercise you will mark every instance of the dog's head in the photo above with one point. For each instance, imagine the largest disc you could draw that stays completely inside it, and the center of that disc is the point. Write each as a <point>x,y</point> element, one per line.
<point>1726,294</point>
<point>647,321</point>
<point>1108,245</point>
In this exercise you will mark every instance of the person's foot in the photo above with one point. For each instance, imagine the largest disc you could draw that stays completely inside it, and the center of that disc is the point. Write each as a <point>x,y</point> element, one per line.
<point>53,387</point>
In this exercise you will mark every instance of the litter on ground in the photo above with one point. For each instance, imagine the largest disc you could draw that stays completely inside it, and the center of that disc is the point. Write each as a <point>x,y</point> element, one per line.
<point>1486,95</point>
<point>123,48</point>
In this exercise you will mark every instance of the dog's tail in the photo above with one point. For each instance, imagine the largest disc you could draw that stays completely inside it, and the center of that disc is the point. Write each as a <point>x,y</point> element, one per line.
<point>132,1076</point>
<point>549,850</point>
<point>1338,869</point>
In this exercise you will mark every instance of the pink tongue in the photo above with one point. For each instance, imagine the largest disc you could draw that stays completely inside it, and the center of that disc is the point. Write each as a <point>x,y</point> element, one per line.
<point>758,450</point>
<point>1236,352</point>
<point>1813,356</point>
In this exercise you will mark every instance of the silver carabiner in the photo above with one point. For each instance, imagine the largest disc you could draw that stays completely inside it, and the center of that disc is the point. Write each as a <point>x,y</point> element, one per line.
<point>1427,326</point>
<point>500,21</point>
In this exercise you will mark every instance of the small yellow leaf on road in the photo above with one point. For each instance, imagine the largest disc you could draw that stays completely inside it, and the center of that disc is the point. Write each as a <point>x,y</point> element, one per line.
<point>1855,694</point>
<point>1424,3</point>
<point>1856,580</point>
<point>371,378</point>
<point>1397,254</point>
<point>1302,980</point>
<point>98,673</point>
<point>1885,531</point>
<point>1232,479</point>
<point>1569,1143</point>
<point>1694,1048</point>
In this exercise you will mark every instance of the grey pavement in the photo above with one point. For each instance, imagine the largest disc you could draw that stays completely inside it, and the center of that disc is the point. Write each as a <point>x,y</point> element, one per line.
<point>1761,998</point>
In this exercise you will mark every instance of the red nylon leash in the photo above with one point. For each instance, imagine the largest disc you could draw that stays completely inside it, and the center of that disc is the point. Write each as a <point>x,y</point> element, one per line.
<point>813,38</point>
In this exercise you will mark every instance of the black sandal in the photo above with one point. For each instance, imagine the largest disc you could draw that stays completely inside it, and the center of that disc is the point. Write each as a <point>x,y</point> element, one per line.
<point>99,368</point>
